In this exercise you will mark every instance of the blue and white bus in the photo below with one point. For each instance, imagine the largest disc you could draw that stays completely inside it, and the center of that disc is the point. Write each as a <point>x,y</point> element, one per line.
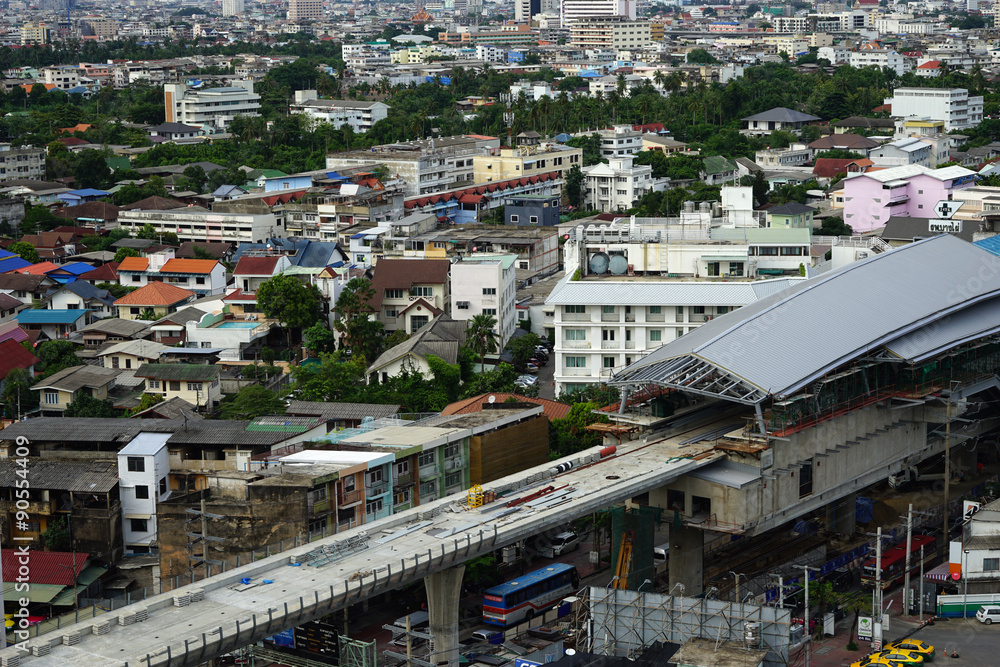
<point>536,592</point>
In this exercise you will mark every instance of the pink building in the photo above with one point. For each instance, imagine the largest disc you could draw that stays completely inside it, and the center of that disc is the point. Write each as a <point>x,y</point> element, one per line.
<point>871,198</point>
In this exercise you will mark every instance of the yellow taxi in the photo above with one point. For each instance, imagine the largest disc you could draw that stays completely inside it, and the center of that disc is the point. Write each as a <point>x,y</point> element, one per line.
<point>913,645</point>
<point>871,661</point>
<point>899,657</point>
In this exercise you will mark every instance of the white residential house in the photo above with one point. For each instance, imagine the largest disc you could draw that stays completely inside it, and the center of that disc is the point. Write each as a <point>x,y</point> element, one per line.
<point>618,185</point>
<point>911,150</point>
<point>253,270</point>
<point>952,105</point>
<point>880,58</point>
<point>204,277</point>
<point>619,141</point>
<point>143,469</point>
<point>486,285</point>
<point>981,539</point>
<point>212,107</point>
<point>361,115</point>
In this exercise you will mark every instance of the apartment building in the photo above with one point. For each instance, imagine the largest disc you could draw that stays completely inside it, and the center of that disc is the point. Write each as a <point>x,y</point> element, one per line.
<point>486,285</point>
<point>610,32</point>
<point>232,7</point>
<point>796,155</point>
<point>571,11</point>
<point>871,198</point>
<point>35,34</point>
<point>619,141</point>
<point>525,160</point>
<point>194,223</point>
<point>952,105</point>
<point>618,185</point>
<point>880,58</point>
<point>359,115</point>
<point>305,10</point>
<point>26,162</point>
<point>212,107</point>
<point>428,166</point>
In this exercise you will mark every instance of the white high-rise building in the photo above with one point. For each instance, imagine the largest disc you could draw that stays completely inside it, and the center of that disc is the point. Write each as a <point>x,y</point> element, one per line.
<point>232,7</point>
<point>571,10</point>
<point>143,467</point>
<point>953,106</point>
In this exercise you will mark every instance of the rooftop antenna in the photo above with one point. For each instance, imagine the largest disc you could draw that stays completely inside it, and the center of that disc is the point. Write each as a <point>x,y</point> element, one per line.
<point>508,115</point>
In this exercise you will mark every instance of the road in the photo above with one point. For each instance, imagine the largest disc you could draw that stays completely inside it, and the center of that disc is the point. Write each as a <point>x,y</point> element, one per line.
<point>977,644</point>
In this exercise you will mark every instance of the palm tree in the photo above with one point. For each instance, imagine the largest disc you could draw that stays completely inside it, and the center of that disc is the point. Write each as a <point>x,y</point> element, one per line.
<point>481,337</point>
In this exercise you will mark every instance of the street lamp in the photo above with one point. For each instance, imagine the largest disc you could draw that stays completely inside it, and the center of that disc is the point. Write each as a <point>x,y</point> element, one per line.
<point>675,588</point>
<point>612,582</point>
<point>647,581</point>
<point>965,577</point>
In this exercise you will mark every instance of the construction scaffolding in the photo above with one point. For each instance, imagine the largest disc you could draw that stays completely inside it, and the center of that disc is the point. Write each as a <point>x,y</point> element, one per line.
<point>624,623</point>
<point>355,653</point>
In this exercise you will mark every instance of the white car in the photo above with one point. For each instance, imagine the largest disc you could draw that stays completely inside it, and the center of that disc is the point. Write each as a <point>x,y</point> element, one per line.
<point>525,381</point>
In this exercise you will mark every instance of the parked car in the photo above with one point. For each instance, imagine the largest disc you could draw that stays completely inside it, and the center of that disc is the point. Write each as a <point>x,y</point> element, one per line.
<point>484,635</point>
<point>987,614</point>
<point>531,367</point>
<point>564,543</point>
<point>538,361</point>
<point>914,645</point>
<point>526,380</point>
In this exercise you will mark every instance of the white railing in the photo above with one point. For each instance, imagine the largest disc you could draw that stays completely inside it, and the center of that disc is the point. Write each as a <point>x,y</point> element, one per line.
<point>576,344</point>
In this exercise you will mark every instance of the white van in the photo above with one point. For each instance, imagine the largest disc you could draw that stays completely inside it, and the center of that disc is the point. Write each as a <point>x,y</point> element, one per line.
<point>987,614</point>
<point>564,543</point>
<point>660,554</point>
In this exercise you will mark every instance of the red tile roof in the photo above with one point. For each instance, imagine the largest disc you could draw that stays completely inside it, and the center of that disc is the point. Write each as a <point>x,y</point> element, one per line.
<point>39,269</point>
<point>827,167</point>
<point>13,355</point>
<point>256,266</point>
<point>487,188</point>
<point>552,409</point>
<point>134,264</point>
<point>155,294</point>
<point>240,295</point>
<point>47,567</point>
<point>107,273</point>
<point>189,266</point>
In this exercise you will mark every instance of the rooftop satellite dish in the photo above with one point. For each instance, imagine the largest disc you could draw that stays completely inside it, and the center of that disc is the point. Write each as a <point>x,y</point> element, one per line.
<point>492,399</point>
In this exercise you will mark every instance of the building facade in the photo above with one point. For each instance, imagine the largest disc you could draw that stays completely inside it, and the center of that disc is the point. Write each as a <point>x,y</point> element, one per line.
<point>143,468</point>
<point>952,105</point>
<point>212,107</point>
<point>487,286</point>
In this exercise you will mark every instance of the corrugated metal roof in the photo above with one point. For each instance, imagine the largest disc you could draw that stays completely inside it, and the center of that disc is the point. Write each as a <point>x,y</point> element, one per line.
<point>145,444</point>
<point>980,320</point>
<point>346,411</point>
<point>745,344</point>
<point>48,567</point>
<point>52,316</point>
<point>985,542</point>
<point>665,293</point>
<point>75,476</point>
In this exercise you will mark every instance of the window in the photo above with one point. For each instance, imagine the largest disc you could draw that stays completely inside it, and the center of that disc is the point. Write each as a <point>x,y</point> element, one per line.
<point>154,384</point>
<point>426,459</point>
<point>428,489</point>
<point>514,218</point>
<point>139,525</point>
<point>609,362</point>
<point>453,479</point>
<point>576,362</point>
<point>418,321</point>
<point>163,485</point>
<point>199,280</point>
<point>721,310</point>
<point>373,506</point>
<point>489,311</point>
<point>699,310</point>
<point>607,334</point>
<point>402,497</point>
<point>574,309</point>
<point>175,385</point>
<point>349,483</point>
<point>533,219</point>
<point>134,311</point>
<point>374,476</point>
<point>806,479</point>
<point>194,386</point>
<point>421,291</point>
<point>142,492</point>
<point>576,334</point>
<point>114,362</point>
<point>655,310</point>
<point>452,451</point>
<point>394,294</point>
<point>607,309</point>
<point>135,464</point>
<point>991,564</point>
<point>655,336</point>
<point>391,312</point>
<point>403,467</point>
<point>487,291</point>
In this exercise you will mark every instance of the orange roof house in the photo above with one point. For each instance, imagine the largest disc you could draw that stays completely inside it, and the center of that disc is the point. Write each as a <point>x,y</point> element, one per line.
<point>160,298</point>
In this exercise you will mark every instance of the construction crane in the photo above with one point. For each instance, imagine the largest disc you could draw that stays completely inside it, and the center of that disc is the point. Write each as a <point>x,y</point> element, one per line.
<point>624,564</point>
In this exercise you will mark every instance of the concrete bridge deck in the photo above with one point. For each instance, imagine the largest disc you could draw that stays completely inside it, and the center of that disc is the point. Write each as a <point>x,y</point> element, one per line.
<point>219,614</point>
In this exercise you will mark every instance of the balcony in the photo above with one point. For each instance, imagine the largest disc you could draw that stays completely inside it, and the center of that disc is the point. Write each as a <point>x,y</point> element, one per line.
<point>576,317</point>
<point>576,344</point>
<point>630,345</point>
<point>377,489</point>
<point>45,507</point>
<point>576,372</point>
<point>404,479</point>
<point>610,345</point>
<point>348,498</point>
<point>630,317</point>
<point>655,317</point>
<point>610,317</point>
<point>320,506</point>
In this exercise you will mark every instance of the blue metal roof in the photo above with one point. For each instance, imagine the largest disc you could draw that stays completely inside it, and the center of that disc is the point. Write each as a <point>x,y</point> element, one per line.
<point>14,263</point>
<point>88,192</point>
<point>530,578</point>
<point>992,244</point>
<point>76,268</point>
<point>60,316</point>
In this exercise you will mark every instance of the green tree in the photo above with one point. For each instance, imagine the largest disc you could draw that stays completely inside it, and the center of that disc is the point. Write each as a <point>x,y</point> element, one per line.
<point>147,315</point>
<point>25,251</point>
<point>701,56</point>
<point>125,252</point>
<point>361,334</point>
<point>17,395</point>
<point>91,170</point>
<point>85,405</point>
<point>291,302</point>
<point>569,435</point>
<point>835,226</point>
<point>522,348</point>
<point>481,337</point>
<point>334,379</point>
<point>56,536</point>
<point>55,355</point>
<point>499,379</point>
<point>318,339</point>
<point>575,188</point>
<point>37,217</point>
<point>252,402</point>
<point>148,400</point>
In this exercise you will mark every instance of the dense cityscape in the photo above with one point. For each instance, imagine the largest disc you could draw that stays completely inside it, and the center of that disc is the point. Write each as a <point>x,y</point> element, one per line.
<point>582,332</point>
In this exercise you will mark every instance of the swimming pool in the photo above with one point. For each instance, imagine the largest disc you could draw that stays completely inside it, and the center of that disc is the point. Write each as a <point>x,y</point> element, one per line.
<point>237,325</point>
